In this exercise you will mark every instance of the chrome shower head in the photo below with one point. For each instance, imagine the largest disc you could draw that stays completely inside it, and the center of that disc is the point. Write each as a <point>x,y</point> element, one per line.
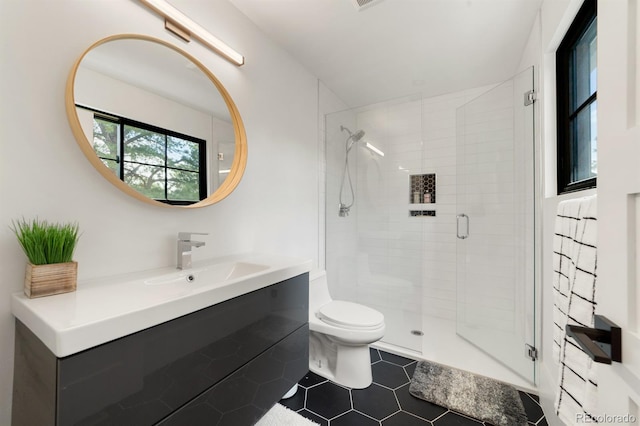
<point>357,135</point>
<point>353,137</point>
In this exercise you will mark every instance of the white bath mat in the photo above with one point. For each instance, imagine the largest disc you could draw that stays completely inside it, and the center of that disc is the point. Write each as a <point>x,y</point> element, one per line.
<point>280,415</point>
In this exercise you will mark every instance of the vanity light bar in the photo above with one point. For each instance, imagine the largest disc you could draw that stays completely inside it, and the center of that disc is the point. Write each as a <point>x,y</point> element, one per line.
<point>184,27</point>
<point>374,149</point>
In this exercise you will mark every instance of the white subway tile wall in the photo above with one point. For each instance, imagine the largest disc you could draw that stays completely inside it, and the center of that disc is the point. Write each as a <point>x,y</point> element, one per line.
<point>405,266</point>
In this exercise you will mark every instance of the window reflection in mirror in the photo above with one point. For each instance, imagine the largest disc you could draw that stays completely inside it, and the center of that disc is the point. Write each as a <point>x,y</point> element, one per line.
<point>161,164</point>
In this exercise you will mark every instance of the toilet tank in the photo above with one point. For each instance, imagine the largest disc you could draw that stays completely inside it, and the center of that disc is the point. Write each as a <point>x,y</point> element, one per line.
<point>318,290</point>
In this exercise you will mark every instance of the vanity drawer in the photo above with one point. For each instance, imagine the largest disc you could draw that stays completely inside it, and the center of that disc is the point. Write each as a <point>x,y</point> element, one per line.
<point>245,396</point>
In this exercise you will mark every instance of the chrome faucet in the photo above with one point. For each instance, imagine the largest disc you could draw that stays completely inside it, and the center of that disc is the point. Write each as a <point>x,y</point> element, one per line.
<point>184,248</point>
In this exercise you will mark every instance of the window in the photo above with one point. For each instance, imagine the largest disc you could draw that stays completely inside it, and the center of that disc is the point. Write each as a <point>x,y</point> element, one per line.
<point>161,164</point>
<point>576,72</point>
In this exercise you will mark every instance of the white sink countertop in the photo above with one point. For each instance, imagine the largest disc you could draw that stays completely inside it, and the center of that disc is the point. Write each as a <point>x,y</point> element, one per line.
<point>105,309</point>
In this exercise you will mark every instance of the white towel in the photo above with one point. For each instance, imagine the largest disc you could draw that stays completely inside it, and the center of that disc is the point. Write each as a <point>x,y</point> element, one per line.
<point>574,262</point>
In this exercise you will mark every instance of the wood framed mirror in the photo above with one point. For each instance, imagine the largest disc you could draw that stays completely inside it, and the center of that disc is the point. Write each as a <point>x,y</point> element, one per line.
<point>155,122</point>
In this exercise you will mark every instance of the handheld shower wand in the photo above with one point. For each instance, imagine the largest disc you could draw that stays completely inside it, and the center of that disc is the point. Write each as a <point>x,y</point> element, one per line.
<point>353,138</point>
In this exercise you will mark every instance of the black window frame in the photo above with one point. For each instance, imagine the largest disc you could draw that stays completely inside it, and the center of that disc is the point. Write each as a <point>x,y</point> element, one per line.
<point>124,121</point>
<point>565,115</point>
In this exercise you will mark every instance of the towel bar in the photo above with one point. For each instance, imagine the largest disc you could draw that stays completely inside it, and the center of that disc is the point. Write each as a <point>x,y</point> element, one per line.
<point>602,343</point>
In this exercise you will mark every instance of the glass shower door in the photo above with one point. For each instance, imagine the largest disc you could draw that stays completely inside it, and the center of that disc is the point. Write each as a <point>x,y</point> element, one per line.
<point>390,249</point>
<point>495,223</point>
<point>374,254</point>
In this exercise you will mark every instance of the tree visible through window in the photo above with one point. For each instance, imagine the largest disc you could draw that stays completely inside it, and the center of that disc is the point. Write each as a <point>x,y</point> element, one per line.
<point>576,68</point>
<point>158,163</point>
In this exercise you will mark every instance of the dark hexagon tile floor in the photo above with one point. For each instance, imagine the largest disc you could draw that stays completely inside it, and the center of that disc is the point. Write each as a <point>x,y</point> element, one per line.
<point>386,402</point>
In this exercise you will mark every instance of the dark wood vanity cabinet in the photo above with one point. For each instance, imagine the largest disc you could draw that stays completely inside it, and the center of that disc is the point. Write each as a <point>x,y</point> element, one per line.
<point>224,365</point>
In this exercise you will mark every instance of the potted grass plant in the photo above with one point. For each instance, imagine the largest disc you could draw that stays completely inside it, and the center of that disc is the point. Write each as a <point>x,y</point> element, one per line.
<point>49,248</point>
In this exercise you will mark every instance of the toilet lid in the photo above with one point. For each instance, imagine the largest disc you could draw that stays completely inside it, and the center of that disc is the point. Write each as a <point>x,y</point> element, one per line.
<point>352,315</point>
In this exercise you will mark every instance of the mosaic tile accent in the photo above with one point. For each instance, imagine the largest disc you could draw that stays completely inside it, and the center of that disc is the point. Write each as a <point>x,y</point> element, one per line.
<point>423,189</point>
<point>418,213</point>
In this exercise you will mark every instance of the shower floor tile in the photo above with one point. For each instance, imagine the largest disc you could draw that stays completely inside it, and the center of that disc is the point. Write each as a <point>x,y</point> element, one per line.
<point>386,402</point>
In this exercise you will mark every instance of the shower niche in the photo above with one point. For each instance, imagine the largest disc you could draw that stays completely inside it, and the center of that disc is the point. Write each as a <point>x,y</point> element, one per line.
<point>422,195</point>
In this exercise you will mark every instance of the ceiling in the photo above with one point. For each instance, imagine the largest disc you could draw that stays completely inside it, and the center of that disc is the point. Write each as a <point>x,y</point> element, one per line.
<point>393,48</point>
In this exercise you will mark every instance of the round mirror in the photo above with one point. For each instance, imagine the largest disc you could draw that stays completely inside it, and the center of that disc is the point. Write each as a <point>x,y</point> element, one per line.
<point>156,122</point>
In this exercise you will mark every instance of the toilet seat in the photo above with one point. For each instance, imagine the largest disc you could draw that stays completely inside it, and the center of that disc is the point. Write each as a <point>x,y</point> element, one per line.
<point>350,315</point>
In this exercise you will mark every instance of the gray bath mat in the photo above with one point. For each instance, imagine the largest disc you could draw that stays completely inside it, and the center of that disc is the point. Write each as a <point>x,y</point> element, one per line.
<point>475,396</point>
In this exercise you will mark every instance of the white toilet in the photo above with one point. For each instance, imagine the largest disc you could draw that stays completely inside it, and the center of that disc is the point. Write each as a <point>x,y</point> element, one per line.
<point>340,334</point>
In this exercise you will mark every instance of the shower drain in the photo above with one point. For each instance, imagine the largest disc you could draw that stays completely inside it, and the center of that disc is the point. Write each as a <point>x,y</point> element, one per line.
<point>417,333</point>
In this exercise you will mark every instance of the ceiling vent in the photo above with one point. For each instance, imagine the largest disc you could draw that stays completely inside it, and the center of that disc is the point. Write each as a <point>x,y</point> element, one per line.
<point>363,4</point>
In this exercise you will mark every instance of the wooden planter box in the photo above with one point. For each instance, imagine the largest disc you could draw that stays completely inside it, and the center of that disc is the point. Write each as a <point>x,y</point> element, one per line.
<point>45,280</point>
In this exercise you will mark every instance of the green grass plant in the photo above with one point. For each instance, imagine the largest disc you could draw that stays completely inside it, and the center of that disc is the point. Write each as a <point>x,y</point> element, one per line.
<point>45,243</point>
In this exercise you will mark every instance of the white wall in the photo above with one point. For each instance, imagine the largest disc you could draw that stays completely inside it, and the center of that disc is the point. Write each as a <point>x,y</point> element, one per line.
<point>553,21</point>
<point>43,173</point>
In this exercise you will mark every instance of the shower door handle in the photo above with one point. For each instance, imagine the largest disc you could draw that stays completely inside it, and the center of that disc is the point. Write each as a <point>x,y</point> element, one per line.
<point>465,218</point>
